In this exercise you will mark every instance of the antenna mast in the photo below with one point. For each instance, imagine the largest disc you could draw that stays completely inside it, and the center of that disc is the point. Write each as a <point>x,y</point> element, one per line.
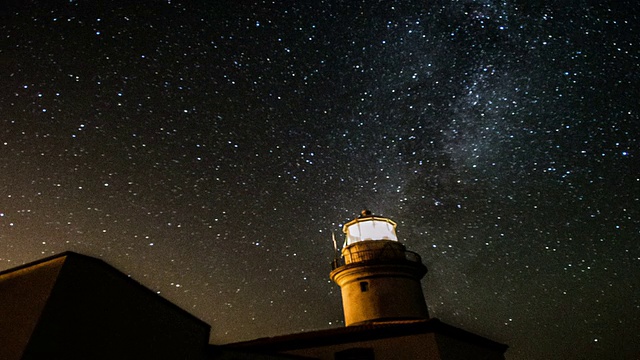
<point>335,249</point>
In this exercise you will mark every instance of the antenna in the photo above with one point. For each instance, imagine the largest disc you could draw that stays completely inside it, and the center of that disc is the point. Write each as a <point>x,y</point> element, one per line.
<point>335,249</point>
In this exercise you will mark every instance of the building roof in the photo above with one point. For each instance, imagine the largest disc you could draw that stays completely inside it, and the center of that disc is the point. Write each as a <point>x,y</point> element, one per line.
<point>74,306</point>
<point>76,257</point>
<point>356,333</point>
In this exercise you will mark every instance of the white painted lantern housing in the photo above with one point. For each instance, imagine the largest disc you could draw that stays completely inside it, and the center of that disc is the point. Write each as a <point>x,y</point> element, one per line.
<point>369,227</point>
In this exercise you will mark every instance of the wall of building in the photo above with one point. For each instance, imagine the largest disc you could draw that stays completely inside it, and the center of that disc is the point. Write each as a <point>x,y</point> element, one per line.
<point>96,312</point>
<point>23,296</point>
<point>412,347</point>
<point>381,292</point>
<point>452,349</point>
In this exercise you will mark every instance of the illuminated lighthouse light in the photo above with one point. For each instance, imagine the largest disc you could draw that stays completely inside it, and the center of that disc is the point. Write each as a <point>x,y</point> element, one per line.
<point>368,227</point>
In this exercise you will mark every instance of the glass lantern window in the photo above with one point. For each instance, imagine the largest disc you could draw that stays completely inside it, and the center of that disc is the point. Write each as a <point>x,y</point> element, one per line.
<point>370,229</point>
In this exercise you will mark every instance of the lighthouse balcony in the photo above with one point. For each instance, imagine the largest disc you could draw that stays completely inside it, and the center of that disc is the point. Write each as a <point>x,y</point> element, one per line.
<point>375,252</point>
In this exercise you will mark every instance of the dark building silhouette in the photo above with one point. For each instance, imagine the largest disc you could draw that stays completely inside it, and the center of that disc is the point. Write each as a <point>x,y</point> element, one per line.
<point>393,340</point>
<point>71,306</point>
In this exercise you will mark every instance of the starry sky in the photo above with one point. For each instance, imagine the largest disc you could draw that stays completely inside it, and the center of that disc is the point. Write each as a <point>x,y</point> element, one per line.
<point>210,148</point>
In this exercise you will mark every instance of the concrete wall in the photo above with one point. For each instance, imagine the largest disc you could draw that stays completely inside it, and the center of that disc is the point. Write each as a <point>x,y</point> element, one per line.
<point>392,292</point>
<point>412,347</point>
<point>23,296</point>
<point>427,346</point>
<point>452,349</point>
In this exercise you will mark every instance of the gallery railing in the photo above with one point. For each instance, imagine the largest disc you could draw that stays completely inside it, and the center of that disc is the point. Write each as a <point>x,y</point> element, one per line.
<point>380,256</point>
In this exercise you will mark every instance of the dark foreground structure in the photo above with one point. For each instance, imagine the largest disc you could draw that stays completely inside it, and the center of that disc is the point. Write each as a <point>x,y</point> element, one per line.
<point>394,340</point>
<point>72,306</point>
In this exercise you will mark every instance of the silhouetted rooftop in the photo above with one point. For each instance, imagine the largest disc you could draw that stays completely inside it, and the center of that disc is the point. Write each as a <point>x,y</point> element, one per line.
<point>366,332</point>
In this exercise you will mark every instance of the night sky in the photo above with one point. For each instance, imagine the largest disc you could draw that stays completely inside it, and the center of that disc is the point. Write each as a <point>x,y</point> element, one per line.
<point>210,148</point>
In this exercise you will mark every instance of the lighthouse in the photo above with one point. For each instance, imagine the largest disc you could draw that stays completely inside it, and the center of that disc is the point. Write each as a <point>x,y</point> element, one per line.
<point>378,277</point>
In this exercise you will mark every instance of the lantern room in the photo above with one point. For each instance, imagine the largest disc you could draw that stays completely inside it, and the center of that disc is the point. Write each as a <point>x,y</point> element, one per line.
<point>369,227</point>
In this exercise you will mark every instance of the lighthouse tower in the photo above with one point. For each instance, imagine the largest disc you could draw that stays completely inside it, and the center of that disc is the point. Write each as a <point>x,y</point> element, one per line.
<point>378,277</point>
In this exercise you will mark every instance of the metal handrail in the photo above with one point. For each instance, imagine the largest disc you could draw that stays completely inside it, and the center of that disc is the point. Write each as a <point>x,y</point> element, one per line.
<point>377,256</point>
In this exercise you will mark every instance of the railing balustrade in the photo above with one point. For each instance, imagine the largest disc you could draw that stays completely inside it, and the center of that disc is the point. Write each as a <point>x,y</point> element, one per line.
<point>383,255</point>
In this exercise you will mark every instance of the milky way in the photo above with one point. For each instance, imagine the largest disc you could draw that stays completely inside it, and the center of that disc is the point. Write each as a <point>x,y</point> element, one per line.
<point>210,150</point>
